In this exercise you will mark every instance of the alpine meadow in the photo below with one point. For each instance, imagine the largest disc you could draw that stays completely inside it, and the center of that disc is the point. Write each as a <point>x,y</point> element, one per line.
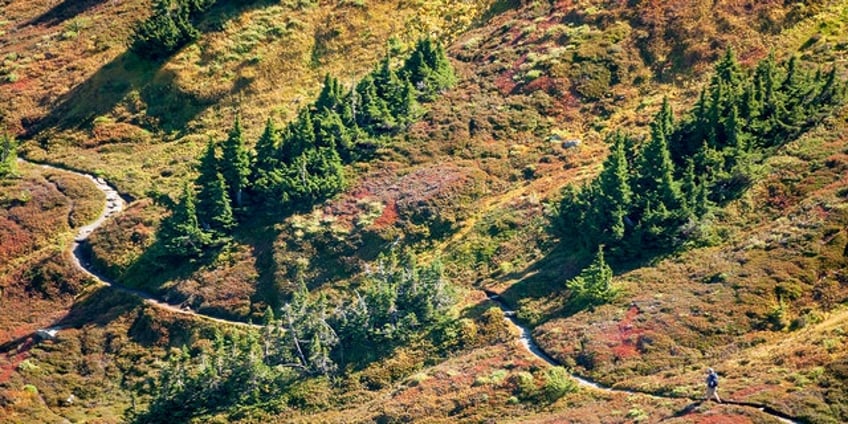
<point>434,211</point>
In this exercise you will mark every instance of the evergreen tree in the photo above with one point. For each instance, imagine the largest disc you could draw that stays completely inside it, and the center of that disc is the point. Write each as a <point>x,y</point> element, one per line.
<point>324,340</point>
<point>332,133</point>
<point>386,81</point>
<point>429,69</point>
<point>709,164</point>
<point>593,286</point>
<point>665,118</point>
<point>166,31</point>
<point>331,96</point>
<point>374,114</point>
<point>354,319</point>
<point>381,296</point>
<point>314,175</point>
<point>216,207</point>
<point>405,107</point>
<point>689,185</point>
<point>433,296</point>
<point>659,204</point>
<point>570,215</point>
<point>829,93</point>
<point>728,73</point>
<point>655,173</point>
<point>235,163</point>
<point>614,196</point>
<point>299,137</point>
<point>8,156</point>
<point>180,233</point>
<point>267,149</point>
<point>267,170</point>
<point>214,212</point>
<point>687,139</point>
<point>737,117</point>
<point>714,115</point>
<point>415,67</point>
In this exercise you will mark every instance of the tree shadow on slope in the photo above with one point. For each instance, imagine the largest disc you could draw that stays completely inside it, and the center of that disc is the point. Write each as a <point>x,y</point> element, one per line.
<point>155,267</point>
<point>63,11</point>
<point>100,307</point>
<point>545,280</point>
<point>146,89</point>
<point>544,277</point>
<point>167,107</point>
<point>261,236</point>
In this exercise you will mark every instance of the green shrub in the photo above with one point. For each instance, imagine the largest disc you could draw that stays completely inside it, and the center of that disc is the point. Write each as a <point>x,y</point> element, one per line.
<point>524,385</point>
<point>558,383</point>
<point>591,80</point>
<point>532,75</point>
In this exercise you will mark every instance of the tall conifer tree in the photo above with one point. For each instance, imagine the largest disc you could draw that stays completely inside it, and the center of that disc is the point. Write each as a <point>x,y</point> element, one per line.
<point>235,163</point>
<point>181,234</point>
<point>614,194</point>
<point>214,211</point>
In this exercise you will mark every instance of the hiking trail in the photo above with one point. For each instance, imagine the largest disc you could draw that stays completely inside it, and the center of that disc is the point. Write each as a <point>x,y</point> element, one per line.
<point>526,339</point>
<point>114,204</point>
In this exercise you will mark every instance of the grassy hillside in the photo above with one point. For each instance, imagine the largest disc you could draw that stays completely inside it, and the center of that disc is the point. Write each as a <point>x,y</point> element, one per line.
<point>260,60</point>
<point>761,295</point>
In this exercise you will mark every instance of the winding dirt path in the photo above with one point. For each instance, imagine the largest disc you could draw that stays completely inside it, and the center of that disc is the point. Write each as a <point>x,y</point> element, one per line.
<point>526,340</point>
<point>115,204</point>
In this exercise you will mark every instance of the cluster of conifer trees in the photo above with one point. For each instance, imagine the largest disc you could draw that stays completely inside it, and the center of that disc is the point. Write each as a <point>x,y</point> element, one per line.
<point>399,299</point>
<point>642,201</point>
<point>170,27</point>
<point>303,163</point>
<point>310,336</point>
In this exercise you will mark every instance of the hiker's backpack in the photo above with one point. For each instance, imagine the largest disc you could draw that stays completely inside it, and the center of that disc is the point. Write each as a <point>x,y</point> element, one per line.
<point>712,380</point>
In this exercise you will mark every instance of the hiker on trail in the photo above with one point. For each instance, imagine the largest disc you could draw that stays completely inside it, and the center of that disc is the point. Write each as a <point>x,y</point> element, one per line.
<point>712,385</point>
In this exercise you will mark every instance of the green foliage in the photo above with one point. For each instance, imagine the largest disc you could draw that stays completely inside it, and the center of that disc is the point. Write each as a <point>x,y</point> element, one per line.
<point>235,164</point>
<point>314,175</point>
<point>614,196</point>
<point>265,172</point>
<point>233,371</point>
<point>168,29</point>
<point>214,211</point>
<point>428,69</point>
<point>304,163</point>
<point>306,337</point>
<point>181,233</point>
<point>593,286</point>
<point>8,155</point>
<point>524,385</point>
<point>307,340</point>
<point>558,383</point>
<point>649,203</point>
<point>374,115</point>
<point>400,299</point>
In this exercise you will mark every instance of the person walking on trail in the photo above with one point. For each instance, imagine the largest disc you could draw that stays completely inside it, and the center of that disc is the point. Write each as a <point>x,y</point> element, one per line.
<point>712,385</point>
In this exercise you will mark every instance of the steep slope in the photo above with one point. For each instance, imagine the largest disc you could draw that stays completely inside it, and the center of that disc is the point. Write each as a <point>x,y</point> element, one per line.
<point>541,87</point>
<point>257,59</point>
